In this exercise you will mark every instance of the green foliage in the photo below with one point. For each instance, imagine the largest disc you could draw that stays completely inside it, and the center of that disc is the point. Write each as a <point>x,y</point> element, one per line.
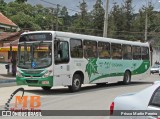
<point>91,67</point>
<point>97,21</point>
<point>2,6</point>
<point>25,21</point>
<point>20,1</point>
<point>124,23</point>
<point>80,23</point>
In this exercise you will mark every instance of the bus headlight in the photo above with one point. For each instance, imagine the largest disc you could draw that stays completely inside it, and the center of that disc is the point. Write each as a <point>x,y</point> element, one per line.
<point>48,73</point>
<point>19,74</point>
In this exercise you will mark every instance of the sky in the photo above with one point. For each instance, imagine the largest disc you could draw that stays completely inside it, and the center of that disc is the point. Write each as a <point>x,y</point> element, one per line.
<point>73,4</point>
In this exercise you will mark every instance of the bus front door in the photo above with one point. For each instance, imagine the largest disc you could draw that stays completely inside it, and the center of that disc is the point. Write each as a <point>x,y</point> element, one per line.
<point>62,66</point>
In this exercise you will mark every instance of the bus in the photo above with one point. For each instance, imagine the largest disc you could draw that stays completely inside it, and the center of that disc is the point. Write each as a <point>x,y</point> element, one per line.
<point>54,58</point>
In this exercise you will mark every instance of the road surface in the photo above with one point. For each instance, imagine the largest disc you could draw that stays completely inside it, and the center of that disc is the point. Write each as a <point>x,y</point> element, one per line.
<point>91,97</point>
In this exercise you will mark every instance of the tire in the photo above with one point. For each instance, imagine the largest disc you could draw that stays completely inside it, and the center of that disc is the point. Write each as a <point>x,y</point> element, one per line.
<point>76,83</point>
<point>46,88</point>
<point>127,78</point>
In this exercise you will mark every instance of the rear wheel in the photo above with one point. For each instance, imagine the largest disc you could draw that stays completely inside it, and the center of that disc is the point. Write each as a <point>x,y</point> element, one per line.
<point>127,78</point>
<point>46,88</point>
<point>76,83</point>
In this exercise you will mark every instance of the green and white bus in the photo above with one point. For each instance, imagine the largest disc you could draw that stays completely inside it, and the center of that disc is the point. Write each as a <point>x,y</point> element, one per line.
<point>53,58</point>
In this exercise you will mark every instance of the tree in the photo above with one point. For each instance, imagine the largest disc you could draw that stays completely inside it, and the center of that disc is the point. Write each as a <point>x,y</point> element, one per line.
<point>20,1</point>
<point>2,6</point>
<point>25,21</point>
<point>121,20</point>
<point>139,21</point>
<point>115,21</point>
<point>97,21</point>
<point>80,24</point>
<point>66,19</point>
<point>128,14</point>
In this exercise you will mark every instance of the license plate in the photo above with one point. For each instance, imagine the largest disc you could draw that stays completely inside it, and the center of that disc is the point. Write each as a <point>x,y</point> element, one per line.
<point>45,82</point>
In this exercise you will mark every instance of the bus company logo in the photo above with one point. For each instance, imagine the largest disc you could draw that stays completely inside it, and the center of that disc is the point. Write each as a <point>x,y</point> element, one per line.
<point>23,105</point>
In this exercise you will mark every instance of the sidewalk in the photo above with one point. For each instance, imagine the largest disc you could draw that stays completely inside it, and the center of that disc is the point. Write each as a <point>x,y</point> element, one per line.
<point>4,77</point>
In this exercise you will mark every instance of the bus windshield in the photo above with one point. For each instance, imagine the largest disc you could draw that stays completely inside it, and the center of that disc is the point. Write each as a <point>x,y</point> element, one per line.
<point>34,55</point>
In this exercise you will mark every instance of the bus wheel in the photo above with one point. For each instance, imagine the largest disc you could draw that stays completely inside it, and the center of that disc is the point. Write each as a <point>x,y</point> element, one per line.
<point>46,88</point>
<point>76,83</point>
<point>127,78</point>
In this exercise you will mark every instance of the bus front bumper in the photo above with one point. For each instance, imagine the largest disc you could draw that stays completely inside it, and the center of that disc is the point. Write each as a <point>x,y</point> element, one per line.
<point>35,81</point>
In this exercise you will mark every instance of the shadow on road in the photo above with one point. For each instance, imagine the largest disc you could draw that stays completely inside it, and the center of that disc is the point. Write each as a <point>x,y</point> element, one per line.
<point>65,91</point>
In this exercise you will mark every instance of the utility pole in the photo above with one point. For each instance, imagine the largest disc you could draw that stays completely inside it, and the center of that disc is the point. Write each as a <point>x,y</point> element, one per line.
<point>105,30</point>
<point>52,13</point>
<point>57,17</point>
<point>146,22</point>
<point>146,26</point>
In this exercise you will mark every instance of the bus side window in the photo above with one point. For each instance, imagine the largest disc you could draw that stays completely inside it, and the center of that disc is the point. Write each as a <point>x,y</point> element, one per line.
<point>127,52</point>
<point>90,49</point>
<point>104,50</point>
<point>136,50</point>
<point>76,48</point>
<point>116,51</point>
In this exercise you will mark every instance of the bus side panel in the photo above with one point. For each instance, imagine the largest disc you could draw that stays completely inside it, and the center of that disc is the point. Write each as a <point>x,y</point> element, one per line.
<point>102,70</point>
<point>79,65</point>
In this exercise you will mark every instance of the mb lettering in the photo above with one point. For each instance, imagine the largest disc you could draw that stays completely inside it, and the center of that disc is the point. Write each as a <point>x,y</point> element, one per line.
<point>35,102</point>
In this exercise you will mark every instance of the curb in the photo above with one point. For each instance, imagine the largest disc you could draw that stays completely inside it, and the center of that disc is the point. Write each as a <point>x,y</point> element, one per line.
<point>7,81</point>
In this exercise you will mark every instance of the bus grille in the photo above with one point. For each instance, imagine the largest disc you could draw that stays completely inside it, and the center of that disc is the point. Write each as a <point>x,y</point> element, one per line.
<point>32,76</point>
<point>32,81</point>
<point>32,71</point>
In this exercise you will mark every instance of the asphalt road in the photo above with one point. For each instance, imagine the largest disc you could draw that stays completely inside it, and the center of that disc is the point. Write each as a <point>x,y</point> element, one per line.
<point>91,97</point>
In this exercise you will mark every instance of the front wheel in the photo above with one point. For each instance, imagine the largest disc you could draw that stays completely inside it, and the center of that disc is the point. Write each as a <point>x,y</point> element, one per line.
<point>76,83</point>
<point>127,78</point>
<point>46,88</point>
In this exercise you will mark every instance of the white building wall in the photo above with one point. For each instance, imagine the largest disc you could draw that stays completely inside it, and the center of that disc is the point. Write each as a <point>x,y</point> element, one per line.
<point>156,55</point>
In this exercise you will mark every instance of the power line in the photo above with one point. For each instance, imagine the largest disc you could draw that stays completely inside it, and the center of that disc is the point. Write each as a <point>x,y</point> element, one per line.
<point>59,5</point>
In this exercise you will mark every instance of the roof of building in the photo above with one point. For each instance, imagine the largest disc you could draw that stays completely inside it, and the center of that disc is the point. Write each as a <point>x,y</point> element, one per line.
<point>6,21</point>
<point>5,35</point>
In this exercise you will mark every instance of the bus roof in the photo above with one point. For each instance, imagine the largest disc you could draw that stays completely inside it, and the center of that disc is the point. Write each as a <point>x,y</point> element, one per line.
<point>89,37</point>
